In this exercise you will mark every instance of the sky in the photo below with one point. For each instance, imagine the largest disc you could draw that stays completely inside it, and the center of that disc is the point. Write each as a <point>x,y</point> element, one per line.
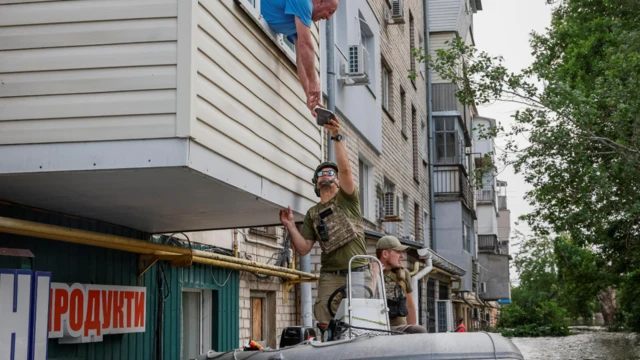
<point>503,28</point>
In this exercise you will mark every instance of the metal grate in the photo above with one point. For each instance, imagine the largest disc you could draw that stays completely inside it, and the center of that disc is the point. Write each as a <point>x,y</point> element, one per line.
<point>442,316</point>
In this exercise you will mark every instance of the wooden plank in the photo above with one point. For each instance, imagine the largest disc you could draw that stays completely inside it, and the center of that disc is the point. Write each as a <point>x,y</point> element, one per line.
<point>249,138</point>
<point>287,139</point>
<point>88,105</point>
<point>268,107</point>
<point>256,319</point>
<point>232,150</point>
<point>87,33</point>
<point>236,52</point>
<point>87,129</point>
<point>84,11</point>
<point>88,81</point>
<point>160,53</point>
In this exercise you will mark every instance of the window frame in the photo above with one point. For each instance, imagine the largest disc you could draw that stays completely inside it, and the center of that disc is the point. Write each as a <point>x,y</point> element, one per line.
<point>364,187</point>
<point>205,308</point>
<point>406,229</point>
<point>458,154</point>
<point>403,112</point>
<point>253,10</point>
<point>386,87</point>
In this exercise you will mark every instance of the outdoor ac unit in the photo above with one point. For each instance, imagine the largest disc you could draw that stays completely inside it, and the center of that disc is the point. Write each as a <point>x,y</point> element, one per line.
<point>391,206</point>
<point>396,13</point>
<point>483,287</point>
<point>357,68</point>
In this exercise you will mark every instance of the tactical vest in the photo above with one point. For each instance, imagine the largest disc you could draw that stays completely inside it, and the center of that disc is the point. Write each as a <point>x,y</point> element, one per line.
<point>340,228</point>
<point>396,298</point>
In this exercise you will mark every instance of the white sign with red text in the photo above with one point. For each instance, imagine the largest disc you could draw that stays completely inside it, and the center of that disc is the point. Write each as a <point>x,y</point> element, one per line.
<point>82,313</point>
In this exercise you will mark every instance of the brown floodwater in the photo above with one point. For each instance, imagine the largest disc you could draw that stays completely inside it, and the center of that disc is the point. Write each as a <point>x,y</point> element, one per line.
<point>587,343</point>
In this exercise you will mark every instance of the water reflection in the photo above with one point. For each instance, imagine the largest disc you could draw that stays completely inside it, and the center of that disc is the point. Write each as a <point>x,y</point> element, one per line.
<point>588,343</point>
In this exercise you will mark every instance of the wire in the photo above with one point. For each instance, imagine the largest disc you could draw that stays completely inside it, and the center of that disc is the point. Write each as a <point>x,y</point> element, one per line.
<point>214,278</point>
<point>395,332</point>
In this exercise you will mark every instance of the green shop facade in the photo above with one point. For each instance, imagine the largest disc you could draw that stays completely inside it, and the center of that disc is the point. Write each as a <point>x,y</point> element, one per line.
<point>180,311</point>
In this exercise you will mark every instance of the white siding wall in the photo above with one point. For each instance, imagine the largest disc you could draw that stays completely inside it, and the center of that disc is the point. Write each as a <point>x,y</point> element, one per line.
<point>249,106</point>
<point>444,14</point>
<point>437,42</point>
<point>87,70</point>
<point>487,220</point>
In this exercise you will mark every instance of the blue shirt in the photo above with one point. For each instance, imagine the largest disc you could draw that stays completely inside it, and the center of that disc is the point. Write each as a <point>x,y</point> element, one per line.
<point>280,15</point>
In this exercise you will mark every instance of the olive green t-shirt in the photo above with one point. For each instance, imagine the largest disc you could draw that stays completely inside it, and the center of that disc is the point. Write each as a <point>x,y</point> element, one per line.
<point>339,258</point>
<point>390,279</point>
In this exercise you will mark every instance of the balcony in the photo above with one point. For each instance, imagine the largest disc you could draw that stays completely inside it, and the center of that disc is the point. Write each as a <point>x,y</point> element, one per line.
<point>160,116</point>
<point>488,244</point>
<point>452,183</point>
<point>486,196</point>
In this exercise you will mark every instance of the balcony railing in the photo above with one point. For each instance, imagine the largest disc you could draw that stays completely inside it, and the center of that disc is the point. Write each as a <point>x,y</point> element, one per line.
<point>488,243</point>
<point>453,183</point>
<point>486,195</point>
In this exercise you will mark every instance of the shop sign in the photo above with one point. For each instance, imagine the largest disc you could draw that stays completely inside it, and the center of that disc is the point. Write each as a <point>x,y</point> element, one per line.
<point>24,307</point>
<point>82,313</point>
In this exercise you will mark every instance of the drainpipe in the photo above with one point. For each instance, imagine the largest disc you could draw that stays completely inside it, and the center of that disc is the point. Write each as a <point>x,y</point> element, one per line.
<point>235,242</point>
<point>414,281</point>
<point>432,145</point>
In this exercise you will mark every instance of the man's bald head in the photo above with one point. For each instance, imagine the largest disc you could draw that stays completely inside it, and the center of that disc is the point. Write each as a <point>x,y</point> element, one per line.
<point>323,9</point>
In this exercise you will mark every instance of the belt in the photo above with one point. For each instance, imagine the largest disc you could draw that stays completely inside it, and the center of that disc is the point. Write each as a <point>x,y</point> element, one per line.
<point>346,272</point>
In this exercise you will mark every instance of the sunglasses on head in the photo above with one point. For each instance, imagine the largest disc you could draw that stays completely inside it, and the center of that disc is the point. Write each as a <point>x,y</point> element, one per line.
<point>326,172</point>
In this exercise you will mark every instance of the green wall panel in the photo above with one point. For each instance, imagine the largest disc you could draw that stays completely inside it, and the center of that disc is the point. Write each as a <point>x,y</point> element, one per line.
<point>70,263</point>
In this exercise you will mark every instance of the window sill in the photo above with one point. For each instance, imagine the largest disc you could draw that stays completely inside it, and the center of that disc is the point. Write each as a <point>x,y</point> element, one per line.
<point>425,163</point>
<point>404,134</point>
<point>386,111</point>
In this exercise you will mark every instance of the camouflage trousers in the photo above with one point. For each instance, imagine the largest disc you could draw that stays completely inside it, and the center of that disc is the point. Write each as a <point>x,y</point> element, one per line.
<point>409,329</point>
<point>327,284</point>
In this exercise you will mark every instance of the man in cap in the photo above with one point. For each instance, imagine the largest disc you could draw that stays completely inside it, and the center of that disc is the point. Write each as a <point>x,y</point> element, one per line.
<point>397,283</point>
<point>335,223</point>
<point>293,19</point>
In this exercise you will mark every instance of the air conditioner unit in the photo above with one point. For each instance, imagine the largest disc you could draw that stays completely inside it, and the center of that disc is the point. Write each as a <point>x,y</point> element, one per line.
<point>396,13</point>
<point>356,71</point>
<point>391,206</point>
<point>483,287</point>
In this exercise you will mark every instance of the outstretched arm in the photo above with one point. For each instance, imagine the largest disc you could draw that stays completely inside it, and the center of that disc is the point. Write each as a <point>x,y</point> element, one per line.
<point>306,62</point>
<point>347,183</point>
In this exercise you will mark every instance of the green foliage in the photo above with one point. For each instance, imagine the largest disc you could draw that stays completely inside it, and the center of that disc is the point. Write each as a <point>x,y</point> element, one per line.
<point>628,315</point>
<point>535,308</point>
<point>580,103</point>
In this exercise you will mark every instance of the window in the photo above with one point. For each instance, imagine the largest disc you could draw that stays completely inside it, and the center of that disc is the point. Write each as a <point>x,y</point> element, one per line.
<point>425,140</point>
<point>467,233</point>
<point>448,142</point>
<point>263,317</point>
<point>403,112</point>
<point>368,40</point>
<point>196,322</point>
<point>416,222</point>
<point>363,178</point>
<point>386,86</point>
<point>252,8</point>
<point>421,46</point>
<point>405,215</point>
<point>412,45</point>
<point>426,226</point>
<point>390,227</point>
<point>414,139</point>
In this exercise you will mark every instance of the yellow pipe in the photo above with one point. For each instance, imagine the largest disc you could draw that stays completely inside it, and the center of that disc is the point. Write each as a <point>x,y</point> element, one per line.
<point>454,277</point>
<point>76,236</point>
<point>416,268</point>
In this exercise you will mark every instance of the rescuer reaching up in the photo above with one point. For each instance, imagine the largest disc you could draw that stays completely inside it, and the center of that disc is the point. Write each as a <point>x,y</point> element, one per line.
<point>335,223</point>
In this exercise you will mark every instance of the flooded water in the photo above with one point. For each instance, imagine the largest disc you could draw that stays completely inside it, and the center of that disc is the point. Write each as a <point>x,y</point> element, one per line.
<point>588,343</point>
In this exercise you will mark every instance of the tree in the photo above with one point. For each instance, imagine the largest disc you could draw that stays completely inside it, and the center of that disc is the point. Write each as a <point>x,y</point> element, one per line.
<point>581,117</point>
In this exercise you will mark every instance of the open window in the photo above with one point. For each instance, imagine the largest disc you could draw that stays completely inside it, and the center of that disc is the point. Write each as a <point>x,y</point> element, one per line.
<point>252,7</point>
